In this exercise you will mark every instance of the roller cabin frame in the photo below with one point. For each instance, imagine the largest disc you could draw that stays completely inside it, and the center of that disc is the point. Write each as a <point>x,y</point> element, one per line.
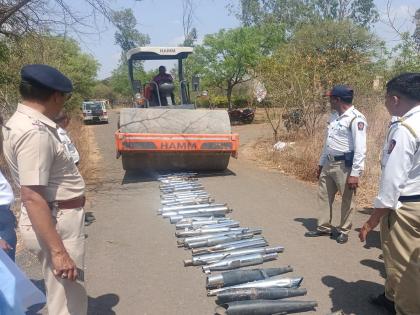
<point>130,144</point>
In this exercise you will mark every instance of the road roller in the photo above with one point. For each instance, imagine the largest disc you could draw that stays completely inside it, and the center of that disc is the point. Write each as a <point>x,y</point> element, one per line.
<point>157,134</point>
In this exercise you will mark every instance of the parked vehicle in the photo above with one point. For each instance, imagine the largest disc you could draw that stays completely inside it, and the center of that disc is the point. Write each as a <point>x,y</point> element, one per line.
<point>244,116</point>
<point>94,111</point>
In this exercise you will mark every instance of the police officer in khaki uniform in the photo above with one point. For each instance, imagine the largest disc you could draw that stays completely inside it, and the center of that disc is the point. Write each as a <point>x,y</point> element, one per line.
<point>341,163</point>
<point>52,189</point>
<point>397,206</point>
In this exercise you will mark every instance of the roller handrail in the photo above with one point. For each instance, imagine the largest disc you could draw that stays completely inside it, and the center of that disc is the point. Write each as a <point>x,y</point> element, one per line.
<point>157,91</point>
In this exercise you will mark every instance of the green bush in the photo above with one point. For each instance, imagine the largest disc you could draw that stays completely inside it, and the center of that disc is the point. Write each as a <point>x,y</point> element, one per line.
<point>241,102</point>
<point>219,101</point>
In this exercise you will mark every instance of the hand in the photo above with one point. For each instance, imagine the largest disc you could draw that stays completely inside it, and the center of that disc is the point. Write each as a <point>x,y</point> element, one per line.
<point>353,182</point>
<point>370,224</point>
<point>318,171</point>
<point>63,266</point>
<point>5,246</point>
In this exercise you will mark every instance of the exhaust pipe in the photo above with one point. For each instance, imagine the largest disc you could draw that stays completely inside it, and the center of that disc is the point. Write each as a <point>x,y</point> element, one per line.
<point>235,277</point>
<point>243,294</point>
<point>240,261</point>
<point>266,283</point>
<point>265,307</point>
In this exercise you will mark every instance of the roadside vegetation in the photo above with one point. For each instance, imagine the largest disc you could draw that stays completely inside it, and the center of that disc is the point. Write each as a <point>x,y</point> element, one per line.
<point>38,32</point>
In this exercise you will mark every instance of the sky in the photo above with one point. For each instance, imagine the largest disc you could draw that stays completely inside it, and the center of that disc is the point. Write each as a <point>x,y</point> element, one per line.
<point>162,21</point>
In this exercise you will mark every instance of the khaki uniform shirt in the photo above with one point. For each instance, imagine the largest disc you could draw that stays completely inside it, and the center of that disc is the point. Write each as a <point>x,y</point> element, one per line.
<point>37,157</point>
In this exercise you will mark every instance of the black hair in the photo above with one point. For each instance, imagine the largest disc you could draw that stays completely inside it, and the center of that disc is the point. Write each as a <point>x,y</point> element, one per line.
<point>406,84</point>
<point>35,92</point>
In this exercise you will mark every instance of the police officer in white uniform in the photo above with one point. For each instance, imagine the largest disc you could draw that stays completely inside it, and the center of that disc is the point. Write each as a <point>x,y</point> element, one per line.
<point>63,121</point>
<point>7,219</point>
<point>397,206</point>
<point>341,163</point>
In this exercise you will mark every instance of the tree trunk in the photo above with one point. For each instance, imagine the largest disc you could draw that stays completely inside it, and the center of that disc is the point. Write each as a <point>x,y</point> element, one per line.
<point>229,95</point>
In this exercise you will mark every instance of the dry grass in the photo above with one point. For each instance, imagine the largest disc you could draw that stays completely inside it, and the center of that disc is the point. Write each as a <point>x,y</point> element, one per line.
<point>301,158</point>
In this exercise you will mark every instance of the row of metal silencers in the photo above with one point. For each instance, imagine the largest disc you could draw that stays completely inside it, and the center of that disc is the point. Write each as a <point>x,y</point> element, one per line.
<point>217,239</point>
<point>177,186</point>
<point>244,294</point>
<point>277,282</point>
<point>198,224</point>
<point>185,195</point>
<point>190,207</point>
<point>239,261</point>
<point>180,218</point>
<point>194,241</point>
<point>216,257</point>
<point>265,307</point>
<point>204,231</point>
<point>218,211</point>
<point>178,180</point>
<point>198,219</point>
<point>234,277</point>
<point>254,242</point>
<point>223,224</point>
<point>186,201</point>
<point>183,188</point>
<point>179,175</point>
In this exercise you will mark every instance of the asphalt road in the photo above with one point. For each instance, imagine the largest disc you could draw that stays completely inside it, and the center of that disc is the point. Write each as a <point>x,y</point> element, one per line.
<point>134,266</point>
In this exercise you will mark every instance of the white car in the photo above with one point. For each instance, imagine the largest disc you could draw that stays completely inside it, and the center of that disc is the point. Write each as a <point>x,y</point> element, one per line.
<point>94,111</point>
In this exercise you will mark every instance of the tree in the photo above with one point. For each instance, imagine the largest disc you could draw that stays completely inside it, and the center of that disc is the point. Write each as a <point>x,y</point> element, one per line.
<point>317,57</point>
<point>416,35</point>
<point>60,52</point>
<point>405,56</point>
<point>127,36</point>
<point>228,57</point>
<point>19,17</point>
<point>294,12</point>
<point>190,32</point>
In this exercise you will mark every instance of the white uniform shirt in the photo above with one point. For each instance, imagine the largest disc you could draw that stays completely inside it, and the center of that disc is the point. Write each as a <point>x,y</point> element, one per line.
<point>346,133</point>
<point>400,161</point>
<point>69,146</point>
<point>6,192</point>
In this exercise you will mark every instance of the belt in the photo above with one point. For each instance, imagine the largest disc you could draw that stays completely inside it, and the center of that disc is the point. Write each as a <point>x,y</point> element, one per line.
<point>413,198</point>
<point>339,158</point>
<point>332,158</point>
<point>74,203</point>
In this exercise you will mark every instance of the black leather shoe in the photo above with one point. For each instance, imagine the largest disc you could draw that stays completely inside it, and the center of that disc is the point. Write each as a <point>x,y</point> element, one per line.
<point>342,238</point>
<point>334,234</point>
<point>382,301</point>
<point>317,233</point>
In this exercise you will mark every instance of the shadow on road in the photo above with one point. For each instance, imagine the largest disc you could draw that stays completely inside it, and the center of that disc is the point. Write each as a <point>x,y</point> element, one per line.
<point>101,305</point>
<point>132,177</point>
<point>373,239</point>
<point>352,297</point>
<point>308,223</point>
<point>374,264</point>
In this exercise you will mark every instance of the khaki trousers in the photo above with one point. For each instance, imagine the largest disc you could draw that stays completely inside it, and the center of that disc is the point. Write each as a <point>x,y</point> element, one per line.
<point>64,297</point>
<point>400,238</point>
<point>333,179</point>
